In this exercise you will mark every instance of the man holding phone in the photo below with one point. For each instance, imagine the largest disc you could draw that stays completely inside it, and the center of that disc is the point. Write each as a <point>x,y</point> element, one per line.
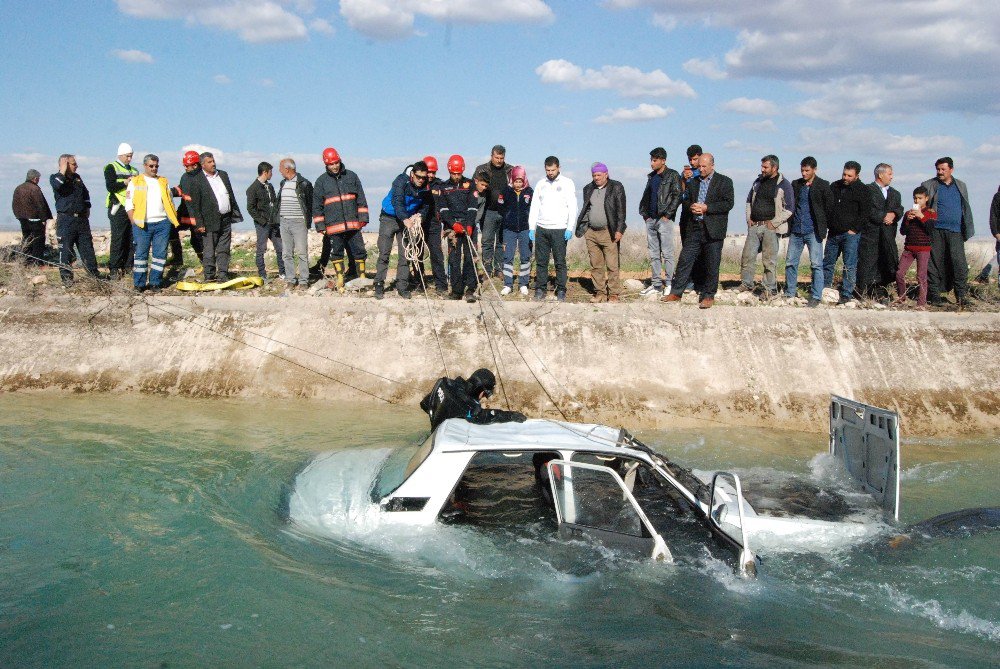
<point>72,219</point>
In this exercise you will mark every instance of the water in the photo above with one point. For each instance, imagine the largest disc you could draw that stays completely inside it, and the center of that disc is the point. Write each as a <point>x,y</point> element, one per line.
<point>153,532</point>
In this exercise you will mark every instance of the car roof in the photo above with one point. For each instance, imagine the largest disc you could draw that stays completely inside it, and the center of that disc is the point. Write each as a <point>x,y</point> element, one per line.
<point>457,434</point>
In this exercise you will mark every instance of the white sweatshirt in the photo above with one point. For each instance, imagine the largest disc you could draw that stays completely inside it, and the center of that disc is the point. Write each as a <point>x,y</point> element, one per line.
<point>553,205</point>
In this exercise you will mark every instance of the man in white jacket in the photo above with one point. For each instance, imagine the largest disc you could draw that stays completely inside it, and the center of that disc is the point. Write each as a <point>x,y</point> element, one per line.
<point>551,221</point>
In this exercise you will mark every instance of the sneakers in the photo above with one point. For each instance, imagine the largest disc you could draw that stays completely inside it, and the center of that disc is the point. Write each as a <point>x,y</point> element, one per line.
<point>813,303</point>
<point>539,295</point>
<point>379,290</point>
<point>281,276</point>
<point>523,290</point>
<point>561,296</point>
<point>666,288</point>
<point>404,293</point>
<point>507,290</point>
<point>649,290</point>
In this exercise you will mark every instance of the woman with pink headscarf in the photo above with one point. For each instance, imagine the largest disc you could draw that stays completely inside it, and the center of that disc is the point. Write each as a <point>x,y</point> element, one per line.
<point>515,203</point>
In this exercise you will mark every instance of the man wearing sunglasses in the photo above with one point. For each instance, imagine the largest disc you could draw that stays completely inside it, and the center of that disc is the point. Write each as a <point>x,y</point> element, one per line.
<point>405,206</point>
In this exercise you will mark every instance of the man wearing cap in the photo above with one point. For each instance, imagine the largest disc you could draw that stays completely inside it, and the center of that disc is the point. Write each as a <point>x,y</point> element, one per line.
<point>214,209</point>
<point>551,221</point>
<point>32,211</point>
<point>601,223</point>
<point>497,173</point>
<point>72,219</point>
<point>117,175</point>
<point>340,211</point>
<point>150,208</point>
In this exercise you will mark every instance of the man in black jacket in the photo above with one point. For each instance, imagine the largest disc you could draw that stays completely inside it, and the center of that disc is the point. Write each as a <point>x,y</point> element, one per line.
<point>602,223</point>
<point>878,257</point>
<point>213,207</point>
<point>262,205</point>
<point>460,398</point>
<point>658,205</point>
<point>852,205</point>
<point>72,219</point>
<point>707,208</point>
<point>813,200</point>
<point>497,172</point>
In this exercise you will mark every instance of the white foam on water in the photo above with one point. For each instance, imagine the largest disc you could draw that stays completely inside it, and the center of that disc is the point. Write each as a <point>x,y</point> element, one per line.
<point>932,610</point>
<point>930,472</point>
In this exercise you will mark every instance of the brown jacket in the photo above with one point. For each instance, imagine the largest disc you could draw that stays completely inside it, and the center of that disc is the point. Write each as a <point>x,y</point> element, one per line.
<point>29,203</point>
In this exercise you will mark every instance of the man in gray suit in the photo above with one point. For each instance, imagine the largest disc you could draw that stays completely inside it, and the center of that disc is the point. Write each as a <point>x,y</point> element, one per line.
<point>711,199</point>
<point>878,257</point>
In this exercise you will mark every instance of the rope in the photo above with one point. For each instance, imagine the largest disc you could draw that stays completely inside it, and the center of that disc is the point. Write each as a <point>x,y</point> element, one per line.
<point>413,251</point>
<point>494,347</point>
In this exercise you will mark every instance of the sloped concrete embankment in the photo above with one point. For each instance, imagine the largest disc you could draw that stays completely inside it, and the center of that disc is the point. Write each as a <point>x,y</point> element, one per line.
<point>636,365</point>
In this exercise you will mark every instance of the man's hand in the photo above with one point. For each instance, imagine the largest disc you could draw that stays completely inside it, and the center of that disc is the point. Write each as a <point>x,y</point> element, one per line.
<point>63,163</point>
<point>997,236</point>
<point>618,237</point>
<point>531,235</point>
<point>699,208</point>
<point>568,235</point>
<point>889,219</point>
<point>688,172</point>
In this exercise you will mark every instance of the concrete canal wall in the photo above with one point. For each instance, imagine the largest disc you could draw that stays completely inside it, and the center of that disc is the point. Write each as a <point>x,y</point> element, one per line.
<point>636,364</point>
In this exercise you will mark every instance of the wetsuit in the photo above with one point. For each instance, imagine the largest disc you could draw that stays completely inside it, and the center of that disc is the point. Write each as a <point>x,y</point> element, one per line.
<point>451,398</point>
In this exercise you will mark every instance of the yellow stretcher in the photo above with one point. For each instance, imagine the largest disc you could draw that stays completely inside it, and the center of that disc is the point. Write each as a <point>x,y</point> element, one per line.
<point>239,283</point>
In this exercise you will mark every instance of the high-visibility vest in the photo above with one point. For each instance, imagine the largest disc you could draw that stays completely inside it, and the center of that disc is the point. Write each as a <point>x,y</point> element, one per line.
<point>122,173</point>
<point>140,189</point>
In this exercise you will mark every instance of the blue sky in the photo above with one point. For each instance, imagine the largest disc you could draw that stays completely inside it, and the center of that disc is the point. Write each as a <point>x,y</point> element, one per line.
<point>386,82</point>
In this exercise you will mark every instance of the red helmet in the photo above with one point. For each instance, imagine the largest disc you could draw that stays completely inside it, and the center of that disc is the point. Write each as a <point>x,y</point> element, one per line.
<point>330,156</point>
<point>456,164</point>
<point>190,158</point>
<point>432,163</point>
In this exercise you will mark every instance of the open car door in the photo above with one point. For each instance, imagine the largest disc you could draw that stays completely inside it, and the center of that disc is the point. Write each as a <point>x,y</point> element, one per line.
<point>593,501</point>
<point>866,439</point>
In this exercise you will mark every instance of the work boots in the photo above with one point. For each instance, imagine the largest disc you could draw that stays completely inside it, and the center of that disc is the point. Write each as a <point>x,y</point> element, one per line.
<point>337,270</point>
<point>361,268</point>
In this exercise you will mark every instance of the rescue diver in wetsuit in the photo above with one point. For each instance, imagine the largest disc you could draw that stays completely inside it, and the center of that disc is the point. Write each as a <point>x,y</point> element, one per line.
<point>459,398</point>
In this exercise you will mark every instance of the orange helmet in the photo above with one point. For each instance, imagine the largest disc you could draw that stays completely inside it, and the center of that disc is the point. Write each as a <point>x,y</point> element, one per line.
<point>432,163</point>
<point>330,156</point>
<point>456,164</point>
<point>190,158</point>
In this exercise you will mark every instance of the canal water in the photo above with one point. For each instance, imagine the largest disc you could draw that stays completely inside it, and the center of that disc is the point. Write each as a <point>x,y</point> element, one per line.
<point>166,532</point>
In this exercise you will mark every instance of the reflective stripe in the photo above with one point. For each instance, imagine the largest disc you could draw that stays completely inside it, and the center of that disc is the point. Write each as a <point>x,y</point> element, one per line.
<point>318,219</point>
<point>362,210</point>
<point>334,229</point>
<point>340,198</point>
<point>188,220</point>
<point>355,225</point>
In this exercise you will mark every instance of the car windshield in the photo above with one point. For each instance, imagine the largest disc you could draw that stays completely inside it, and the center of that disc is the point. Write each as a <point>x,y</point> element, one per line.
<point>398,466</point>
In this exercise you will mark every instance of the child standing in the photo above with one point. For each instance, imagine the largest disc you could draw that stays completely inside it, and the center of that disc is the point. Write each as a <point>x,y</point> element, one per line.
<point>917,227</point>
<point>515,203</point>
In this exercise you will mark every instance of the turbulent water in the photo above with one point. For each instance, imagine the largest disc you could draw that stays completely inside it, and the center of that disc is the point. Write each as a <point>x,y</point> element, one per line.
<point>173,532</point>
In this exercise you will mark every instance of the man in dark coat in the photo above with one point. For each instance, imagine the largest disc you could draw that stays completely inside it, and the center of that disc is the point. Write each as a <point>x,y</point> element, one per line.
<point>213,207</point>
<point>262,205</point>
<point>878,256</point>
<point>707,208</point>
<point>460,398</point>
<point>32,211</point>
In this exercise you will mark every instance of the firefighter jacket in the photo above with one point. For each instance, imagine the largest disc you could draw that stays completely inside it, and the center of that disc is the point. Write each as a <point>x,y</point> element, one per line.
<point>182,190</point>
<point>339,203</point>
<point>457,203</point>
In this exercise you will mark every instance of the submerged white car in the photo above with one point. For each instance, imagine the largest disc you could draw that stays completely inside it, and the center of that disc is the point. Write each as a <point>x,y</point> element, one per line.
<point>604,484</point>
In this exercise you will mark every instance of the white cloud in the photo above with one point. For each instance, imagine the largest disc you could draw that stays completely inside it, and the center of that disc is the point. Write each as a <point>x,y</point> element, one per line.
<point>751,106</point>
<point>767,125</point>
<point>222,79</point>
<point>664,22</point>
<point>628,81</point>
<point>876,142</point>
<point>253,20</point>
<point>705,67</point>
<point>951,47</point>
<point>644,112</point>
<point>321,26</point>
<point>394,19</point>
<point>132,56</point>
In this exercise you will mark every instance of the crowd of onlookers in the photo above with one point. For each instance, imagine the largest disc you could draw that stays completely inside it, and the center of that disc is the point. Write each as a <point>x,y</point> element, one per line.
<point>470,228</point>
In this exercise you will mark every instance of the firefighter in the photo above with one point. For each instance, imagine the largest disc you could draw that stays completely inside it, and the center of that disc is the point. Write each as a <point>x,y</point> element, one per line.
<point>432,230</point>
<point>458,207</point>
<point>460,398</point>
<point>192,165</point>
<point>340,211</point>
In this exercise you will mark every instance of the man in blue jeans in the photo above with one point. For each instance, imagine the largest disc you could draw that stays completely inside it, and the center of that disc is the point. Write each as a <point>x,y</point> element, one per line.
<point>658,206</point>
<point>813,200</point>
<point>852,205</point>
<point>150,208</point>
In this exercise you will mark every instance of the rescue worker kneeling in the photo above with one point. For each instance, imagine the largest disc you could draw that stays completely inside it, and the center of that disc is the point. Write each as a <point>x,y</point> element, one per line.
<point>459,398</point>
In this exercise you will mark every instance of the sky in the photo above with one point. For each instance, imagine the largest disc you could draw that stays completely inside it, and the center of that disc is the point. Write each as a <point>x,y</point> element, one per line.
<point>387,82</point>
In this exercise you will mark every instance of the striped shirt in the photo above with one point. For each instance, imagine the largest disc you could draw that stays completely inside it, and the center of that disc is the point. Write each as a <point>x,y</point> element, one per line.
<point>290,209</point>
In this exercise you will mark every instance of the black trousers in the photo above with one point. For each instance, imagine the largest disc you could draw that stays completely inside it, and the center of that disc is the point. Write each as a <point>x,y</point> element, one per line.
<point>432,235</point>
<point>550,243</point>
<point>352,242</point>
<point>948,268</point>
<point>74,232</point>
<point>33,241</point>
<point>462,264</point>
<point>267,233</point>
<point>697,250</point>
<point>176,250</point>
<point>122,252</point>
<point>215,255</point>
<point>878,260</point>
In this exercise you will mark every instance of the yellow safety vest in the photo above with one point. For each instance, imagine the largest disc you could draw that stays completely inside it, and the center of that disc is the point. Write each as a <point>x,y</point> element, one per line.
<point>140,188</point>
<point>122,172</point>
